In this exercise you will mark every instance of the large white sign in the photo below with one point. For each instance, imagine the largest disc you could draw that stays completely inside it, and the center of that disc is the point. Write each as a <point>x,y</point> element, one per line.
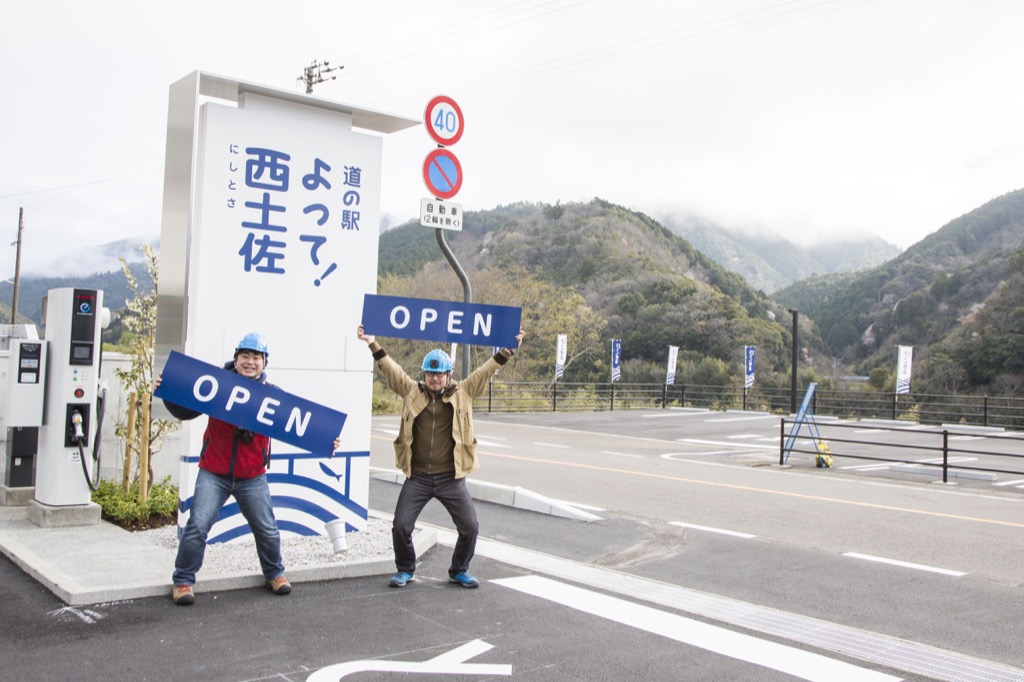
<point>280,238</point>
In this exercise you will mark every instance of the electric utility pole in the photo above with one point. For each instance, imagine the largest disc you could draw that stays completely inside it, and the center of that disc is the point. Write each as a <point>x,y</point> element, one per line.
<point>17,265</point>
<point>314,74</point>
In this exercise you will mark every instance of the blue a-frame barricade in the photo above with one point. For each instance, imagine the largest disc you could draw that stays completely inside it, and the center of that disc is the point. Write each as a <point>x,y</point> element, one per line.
<point>804,416</point>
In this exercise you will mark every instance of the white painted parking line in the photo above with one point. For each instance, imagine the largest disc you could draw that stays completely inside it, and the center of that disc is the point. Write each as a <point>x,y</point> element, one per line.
<point>867,467</point>
<point>905,564</point>
<point>720,531</point>
<point>675,413</point>
<point>743,436</point>
<point>872,430</point>
<point>967,437</point>
<point>552,445</point>
<point>491,444</point>
<point>938,460</point>
<point>790,660</point>
<point>683,456</point>
<point>697,441</point>
<point>620,454</point>
<point>1015,482</point>
<point>726,420</point>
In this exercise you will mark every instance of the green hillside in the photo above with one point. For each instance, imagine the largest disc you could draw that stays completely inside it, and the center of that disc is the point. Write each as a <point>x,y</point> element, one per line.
<point>640,282</point>
<point>951,296</point>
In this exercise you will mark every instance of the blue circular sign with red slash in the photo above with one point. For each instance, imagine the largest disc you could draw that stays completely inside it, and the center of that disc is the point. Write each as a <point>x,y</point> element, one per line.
<point>442,174</point>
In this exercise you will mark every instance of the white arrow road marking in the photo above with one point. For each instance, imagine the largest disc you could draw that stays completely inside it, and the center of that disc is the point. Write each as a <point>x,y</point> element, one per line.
<point>786,659</point>
<point>450,663</point>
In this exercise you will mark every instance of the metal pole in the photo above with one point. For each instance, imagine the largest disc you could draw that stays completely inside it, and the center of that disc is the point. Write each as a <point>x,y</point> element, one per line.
<point>466,288</point>
<point>17,267</point>
<point>792,383</point>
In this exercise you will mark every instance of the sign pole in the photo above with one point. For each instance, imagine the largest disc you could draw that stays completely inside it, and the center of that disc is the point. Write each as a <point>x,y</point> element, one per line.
<point>442,174</point>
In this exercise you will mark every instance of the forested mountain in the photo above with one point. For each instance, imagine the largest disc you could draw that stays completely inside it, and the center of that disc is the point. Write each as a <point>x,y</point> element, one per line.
<point>769,262</point>
<point>955,296</point>
<point>595,272</point>
<point>32,290</point>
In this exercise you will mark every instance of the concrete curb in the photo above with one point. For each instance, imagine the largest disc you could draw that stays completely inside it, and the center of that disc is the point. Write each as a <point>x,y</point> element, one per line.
<point>104,563</point>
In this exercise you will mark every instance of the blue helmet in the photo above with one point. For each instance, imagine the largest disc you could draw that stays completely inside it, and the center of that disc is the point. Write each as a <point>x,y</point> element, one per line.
<point>437,361</point>
<point>255,342</point>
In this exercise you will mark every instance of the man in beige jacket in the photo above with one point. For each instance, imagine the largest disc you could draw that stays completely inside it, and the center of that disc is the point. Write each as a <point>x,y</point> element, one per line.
<point>435,449</point>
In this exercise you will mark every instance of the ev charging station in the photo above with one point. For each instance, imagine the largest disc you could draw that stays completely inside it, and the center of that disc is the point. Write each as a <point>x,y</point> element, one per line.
<point>54,385</point>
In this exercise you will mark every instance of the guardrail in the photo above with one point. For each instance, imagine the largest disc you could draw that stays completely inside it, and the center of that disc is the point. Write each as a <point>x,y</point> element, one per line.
<point>941,454</point>
<point>503,396</point>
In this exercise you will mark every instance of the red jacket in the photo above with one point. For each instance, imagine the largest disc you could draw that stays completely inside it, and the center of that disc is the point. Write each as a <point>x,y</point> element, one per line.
<point>226,453</point>
<point>225,450</point>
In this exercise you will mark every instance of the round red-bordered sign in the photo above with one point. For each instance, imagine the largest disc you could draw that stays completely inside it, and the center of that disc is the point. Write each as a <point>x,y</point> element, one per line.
<point>443,119</point>
<point>442,173</point>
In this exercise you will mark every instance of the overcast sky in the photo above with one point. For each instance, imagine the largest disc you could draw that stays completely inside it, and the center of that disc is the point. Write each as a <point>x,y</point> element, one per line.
<point>810,118</point>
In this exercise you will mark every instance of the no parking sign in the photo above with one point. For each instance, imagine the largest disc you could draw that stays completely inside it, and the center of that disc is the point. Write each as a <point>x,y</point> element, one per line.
<point>442,173</point>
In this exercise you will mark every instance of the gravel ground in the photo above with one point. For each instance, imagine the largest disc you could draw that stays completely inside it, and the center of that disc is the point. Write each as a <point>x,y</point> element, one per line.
<point>239,556</point>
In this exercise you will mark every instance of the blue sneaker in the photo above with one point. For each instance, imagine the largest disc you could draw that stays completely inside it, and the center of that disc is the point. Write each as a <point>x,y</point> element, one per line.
<point>465,579</point>
<point>400,579</point>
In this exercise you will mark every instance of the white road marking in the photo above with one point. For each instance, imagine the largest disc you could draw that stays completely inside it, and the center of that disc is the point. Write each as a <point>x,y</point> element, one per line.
<point>620,454</point>
<point>85,615</point>
<point>736,645</point>
<point>725,420</point>
<point>721,531</point>
<point>741,436</point>
<point>552,445</point>
<point>905,564</point>
<point>449,663</point>
<point>719,443</point>
<point>1014,482</point>
<point>708,453</point>
<point>676,413</point>
<point>868,467</point>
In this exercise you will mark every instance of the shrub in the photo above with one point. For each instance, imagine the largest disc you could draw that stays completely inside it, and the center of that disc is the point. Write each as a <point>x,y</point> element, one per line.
<point>128,511</point>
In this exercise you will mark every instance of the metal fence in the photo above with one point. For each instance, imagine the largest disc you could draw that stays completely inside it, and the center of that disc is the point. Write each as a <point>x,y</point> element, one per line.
<point>903,447</point>
<point>503,396</point>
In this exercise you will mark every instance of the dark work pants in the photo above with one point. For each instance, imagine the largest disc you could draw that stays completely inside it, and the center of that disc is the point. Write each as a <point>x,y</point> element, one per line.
<point>455,497</point>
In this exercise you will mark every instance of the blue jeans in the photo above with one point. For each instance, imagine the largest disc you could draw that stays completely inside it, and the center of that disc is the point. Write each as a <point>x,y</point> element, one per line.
<point>455,497</point>
<point>253,497</point>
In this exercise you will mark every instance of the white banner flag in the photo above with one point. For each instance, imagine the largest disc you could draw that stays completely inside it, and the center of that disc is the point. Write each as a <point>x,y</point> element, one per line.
<point>560,359</point>
<point>903,369</point>
<point>670,376</point>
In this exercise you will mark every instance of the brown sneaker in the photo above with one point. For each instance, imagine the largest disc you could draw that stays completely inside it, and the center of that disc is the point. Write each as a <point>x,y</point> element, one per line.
<point>279,585</point>
<point>183,595</point>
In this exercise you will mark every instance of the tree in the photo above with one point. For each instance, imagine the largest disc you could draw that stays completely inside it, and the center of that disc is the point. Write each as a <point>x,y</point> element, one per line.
<point>139,341</point>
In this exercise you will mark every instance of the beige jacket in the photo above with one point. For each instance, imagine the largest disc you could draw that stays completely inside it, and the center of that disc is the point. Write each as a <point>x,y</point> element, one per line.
<point>415,399</point>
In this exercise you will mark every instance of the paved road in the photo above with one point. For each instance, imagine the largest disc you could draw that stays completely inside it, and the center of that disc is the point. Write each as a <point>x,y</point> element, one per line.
<point>700,567</point>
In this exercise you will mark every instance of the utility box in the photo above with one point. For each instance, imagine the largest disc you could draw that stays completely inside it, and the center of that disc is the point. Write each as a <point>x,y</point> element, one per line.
<point>26,383</point>
<point>22,445</point>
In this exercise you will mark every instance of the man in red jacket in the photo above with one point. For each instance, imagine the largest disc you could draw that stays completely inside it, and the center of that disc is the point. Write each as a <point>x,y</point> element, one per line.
<point>233,462</point>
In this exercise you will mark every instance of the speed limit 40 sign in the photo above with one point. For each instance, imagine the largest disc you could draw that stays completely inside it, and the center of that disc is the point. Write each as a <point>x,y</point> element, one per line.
<point>443,119</point>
